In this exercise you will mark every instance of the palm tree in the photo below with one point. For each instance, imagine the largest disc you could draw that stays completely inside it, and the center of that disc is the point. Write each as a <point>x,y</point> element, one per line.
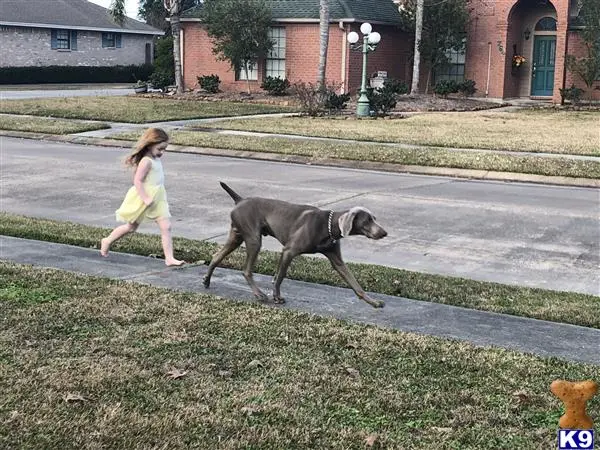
<point>324,41</point>
<point>173,8</point>
<point>417,59</point>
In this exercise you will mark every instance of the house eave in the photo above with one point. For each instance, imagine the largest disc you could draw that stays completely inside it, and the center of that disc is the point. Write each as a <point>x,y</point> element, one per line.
<point>306,20</point>
<point>79,28</point>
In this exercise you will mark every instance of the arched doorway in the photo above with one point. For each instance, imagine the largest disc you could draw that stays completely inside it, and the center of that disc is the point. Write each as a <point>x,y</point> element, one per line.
<point>543,57</point>
<point>531,35</point>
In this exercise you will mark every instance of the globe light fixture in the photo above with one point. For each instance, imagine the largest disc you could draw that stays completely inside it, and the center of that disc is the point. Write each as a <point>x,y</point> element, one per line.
<point>370,41</point>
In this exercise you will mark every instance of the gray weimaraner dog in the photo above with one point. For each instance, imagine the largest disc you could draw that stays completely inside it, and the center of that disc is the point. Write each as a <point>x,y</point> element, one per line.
<point>300,229</point>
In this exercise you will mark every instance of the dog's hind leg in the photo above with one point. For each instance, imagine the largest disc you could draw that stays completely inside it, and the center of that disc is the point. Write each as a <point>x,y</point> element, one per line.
<point>253,245</point>
<point>234,240</point>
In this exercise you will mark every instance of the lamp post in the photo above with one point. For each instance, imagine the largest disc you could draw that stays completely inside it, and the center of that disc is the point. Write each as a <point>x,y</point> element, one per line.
<point>370,41</point>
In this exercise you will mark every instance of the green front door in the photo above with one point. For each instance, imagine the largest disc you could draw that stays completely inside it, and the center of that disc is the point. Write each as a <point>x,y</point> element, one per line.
<point>542,71</point>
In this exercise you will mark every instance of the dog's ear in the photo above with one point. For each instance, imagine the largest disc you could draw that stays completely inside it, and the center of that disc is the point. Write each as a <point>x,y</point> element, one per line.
<point>347,219</point>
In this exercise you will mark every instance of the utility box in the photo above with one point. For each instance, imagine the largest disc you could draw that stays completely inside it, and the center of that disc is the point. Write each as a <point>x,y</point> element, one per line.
<point>378,79</point>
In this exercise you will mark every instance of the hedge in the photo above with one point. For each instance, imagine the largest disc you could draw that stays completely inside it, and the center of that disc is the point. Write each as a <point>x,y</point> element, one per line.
<point>75,74</point>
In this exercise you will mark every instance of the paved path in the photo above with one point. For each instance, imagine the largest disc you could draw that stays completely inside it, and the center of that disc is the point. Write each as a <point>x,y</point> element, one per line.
<point>512,233</point>
<point>478,327</point>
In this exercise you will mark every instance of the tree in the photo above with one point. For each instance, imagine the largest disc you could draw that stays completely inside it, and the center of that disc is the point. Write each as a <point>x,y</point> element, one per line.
<point>417,59</point>
<point>173,9</point>
<point>588,66</point>
<point>154,13</point>
<point>444,26</point>
<point>239,30</point>
<point>323,41</point>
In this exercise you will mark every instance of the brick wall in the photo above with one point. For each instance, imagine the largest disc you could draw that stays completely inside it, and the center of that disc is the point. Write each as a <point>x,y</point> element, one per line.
<point>576,48</point>
<point>32,47</point>
<point>302,57</point>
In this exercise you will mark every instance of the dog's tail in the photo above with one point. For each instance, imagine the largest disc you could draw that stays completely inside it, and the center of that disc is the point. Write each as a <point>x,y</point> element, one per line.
<point>236,198</point>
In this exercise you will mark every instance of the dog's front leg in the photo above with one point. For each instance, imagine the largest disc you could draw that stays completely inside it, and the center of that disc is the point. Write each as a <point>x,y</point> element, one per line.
<point>335,258</point>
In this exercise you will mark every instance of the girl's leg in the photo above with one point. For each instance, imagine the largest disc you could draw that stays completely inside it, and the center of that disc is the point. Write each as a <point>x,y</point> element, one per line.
<point>167,242</point>
<point>116,234</point>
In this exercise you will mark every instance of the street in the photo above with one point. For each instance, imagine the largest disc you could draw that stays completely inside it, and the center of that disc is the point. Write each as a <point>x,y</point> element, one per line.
<point>525,234</point>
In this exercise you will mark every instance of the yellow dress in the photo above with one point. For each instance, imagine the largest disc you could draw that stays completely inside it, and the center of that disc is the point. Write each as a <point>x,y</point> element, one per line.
<point>133,208</point>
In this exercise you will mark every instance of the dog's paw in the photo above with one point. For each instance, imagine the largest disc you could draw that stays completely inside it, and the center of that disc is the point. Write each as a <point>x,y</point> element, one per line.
<point>261,296</point>
<point>278,300</point>
<point>374,303</point>
<point>206,282</point>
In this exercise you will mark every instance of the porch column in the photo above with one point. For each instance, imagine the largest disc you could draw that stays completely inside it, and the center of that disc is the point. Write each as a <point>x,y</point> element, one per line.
<point>562,23</point>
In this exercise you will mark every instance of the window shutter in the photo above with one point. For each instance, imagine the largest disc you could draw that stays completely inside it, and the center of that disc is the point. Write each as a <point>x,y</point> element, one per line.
<point>73,40</point>
<point>53,43</point>
<point>118,40</point>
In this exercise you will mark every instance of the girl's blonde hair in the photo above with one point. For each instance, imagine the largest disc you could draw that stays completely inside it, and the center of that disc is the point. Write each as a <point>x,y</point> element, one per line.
<point>150,137</point>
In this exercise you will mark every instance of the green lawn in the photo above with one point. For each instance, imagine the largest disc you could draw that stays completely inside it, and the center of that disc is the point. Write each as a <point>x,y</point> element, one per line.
<point>567,307</point>
<point>132,109</point>
<point>85,363</point>
<point>477,160</point>
<point>528,130</point>
<point>47,125</point>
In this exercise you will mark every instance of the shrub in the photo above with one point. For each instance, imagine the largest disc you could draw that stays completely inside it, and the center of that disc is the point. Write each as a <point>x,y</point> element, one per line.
<point>444,87</point>
<point>467,88</point>
<point>164,61</point>
<point>395,86</point>
<point>572,94</point>
<point>210,83</point>
<point>381,100</point>
<point>336,102</point>
<point>74,74</point>
<point>275,85</point>
<point>312,98</point>
<point>160,80</point>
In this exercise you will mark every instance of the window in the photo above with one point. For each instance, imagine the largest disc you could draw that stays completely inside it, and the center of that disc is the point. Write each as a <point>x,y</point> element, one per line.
<point>546,24</point>
<point>111,40</point>
<point>275,63</point>
<point>108,40</point>
<point>240,73</point>
<point>455,68</point>
<point>63,39</point>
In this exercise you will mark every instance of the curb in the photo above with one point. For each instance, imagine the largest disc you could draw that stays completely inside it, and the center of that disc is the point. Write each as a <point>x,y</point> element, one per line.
<point>331,162</point>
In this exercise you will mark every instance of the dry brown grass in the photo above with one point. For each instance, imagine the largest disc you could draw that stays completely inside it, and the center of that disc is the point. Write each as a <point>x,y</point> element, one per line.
<point>548,131</point>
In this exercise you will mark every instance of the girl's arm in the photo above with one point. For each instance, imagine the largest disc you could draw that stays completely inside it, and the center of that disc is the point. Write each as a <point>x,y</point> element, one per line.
<point>138,179</point>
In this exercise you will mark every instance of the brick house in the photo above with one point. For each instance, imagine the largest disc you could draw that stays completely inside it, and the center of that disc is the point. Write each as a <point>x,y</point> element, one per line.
<point>543,31</point>
<point>296,53</point>
<point>70,33</point>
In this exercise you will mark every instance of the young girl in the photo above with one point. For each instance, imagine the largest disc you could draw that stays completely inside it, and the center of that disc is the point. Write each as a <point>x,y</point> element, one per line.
<point>147,198</point>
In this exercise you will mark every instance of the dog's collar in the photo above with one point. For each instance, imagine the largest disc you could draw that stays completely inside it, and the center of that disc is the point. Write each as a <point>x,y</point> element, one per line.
<point>329,227</point>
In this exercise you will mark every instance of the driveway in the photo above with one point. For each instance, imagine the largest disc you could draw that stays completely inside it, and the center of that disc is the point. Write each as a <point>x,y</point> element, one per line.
<point>513,233</point>
<point>24,92</point>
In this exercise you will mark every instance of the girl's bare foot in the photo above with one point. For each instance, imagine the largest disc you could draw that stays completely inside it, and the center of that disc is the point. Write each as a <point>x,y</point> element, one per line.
<point>174,262</point>
<point>104,246</point>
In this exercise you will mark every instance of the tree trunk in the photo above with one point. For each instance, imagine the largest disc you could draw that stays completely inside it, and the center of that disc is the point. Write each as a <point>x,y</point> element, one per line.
<point>323,41</point>
<point>417,59</point>
<point>176,27</point>
<point>247,77</point>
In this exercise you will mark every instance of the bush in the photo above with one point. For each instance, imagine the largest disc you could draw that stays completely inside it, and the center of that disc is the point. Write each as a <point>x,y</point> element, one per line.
<point>444,87</point>
<point>395,86</point>
<point>381,100</point>
<point>75,74</point>
<point>336,102</point>
<point>160,80</point>
<point>467,88</point>
<point>275,86</point>
<point>572,94</point>
<point>312,98</point>
<point>164,61</point>
<point>210,83</point>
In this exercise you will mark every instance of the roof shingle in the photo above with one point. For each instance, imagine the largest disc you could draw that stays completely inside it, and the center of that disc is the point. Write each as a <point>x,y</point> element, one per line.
<point>67,13</point>
<point>376,11</point>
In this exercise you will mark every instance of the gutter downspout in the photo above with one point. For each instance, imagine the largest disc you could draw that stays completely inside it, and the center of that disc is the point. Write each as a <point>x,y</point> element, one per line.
<point>487,83</point>
<point>344,51</point>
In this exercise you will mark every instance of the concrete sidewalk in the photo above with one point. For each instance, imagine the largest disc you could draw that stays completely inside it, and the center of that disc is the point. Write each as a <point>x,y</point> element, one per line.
<point>481,328</point>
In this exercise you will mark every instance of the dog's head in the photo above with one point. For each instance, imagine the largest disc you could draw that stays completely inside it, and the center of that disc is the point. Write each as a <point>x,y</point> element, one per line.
<point>359,220</point>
